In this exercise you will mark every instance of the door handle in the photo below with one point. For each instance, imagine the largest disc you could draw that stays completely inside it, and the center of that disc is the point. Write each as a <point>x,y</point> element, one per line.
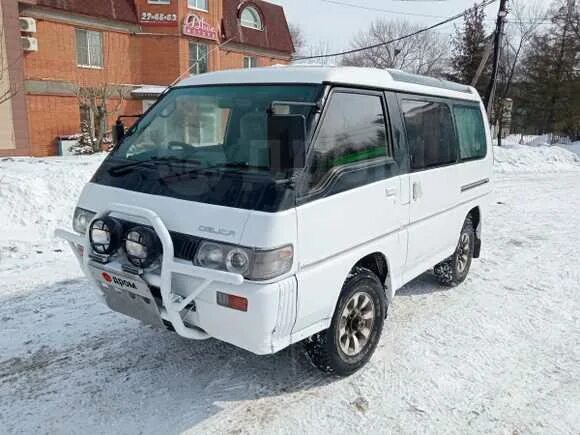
<point>417,191</point>
<point>390,192</point>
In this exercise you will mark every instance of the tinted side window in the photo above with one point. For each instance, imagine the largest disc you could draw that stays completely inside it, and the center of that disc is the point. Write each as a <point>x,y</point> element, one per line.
<point>430,133</point>
<point>353,131</point>
<point>471,132</point>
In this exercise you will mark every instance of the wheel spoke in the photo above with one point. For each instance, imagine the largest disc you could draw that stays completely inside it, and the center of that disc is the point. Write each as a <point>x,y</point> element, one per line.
<point>365,302</point>
<point>359,298</point>
<point>350,306</point>
<point>356,344</point>
<point>367,315</point>
<point>365,332</point>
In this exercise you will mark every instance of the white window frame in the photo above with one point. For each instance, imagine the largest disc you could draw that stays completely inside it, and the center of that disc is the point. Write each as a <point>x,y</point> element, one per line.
<point>159,2</point>
<point>256,23</point>
<point>250,62</point>
<point>195,71</point>
<point>89,65</point>
<point>197,8</point>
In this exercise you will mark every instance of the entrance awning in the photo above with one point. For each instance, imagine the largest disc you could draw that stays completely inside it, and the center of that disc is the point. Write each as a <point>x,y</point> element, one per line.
<point>148,92</point>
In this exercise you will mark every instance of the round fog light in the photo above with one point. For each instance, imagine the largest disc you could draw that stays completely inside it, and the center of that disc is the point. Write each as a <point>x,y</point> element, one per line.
<point>105,235</point>
<point>142,246</point>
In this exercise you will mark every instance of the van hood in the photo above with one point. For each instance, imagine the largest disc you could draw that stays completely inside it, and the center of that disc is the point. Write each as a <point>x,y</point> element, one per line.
<point>207,221</point>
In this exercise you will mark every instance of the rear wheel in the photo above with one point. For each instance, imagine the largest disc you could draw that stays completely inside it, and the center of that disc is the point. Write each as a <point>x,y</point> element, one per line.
<point>455,269</point>
<point>356,326</point>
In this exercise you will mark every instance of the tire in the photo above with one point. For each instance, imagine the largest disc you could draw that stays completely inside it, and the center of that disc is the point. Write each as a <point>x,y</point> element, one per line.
<point>335,350</point>
<point>455,269</point>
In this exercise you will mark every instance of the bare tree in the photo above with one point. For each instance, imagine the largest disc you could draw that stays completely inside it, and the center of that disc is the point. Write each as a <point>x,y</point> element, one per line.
<point>7,89</point>
<point>298,38</point>
<point>525,18</point>
<point>321,48</point>
<point>425,53</point>
<point>102,101</point>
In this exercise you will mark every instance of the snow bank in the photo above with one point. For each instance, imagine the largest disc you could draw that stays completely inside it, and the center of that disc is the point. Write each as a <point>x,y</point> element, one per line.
<point>531,140</point>
<point>513,158</point>
<point>37,195</point>
<point>574,147</point>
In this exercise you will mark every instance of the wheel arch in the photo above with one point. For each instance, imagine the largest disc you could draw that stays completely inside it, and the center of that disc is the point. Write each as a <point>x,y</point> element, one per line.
<point>377,263</point>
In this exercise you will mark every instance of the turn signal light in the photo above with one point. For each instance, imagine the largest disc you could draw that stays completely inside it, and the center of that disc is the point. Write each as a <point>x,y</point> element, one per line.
<point>234,302</point>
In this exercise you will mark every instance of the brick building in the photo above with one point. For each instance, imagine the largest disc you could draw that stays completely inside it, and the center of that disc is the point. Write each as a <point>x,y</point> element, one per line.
<point>53,49</point>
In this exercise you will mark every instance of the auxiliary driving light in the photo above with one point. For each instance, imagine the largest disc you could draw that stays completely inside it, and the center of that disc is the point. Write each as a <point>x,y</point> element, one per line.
<point>142,246</point>
<point>105,235</point>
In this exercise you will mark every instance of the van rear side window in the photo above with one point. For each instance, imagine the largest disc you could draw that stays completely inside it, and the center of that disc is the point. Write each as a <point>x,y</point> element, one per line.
<point>471,132</point>
<point>430,133</point>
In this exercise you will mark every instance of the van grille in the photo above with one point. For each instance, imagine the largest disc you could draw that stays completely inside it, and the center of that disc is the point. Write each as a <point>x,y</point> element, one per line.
<point>184,245</point>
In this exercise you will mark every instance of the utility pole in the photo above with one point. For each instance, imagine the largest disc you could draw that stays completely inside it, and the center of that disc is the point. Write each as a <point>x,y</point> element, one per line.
<point>490,94</point>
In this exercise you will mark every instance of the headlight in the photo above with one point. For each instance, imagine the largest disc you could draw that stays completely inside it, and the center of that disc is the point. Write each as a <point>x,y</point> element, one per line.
<point>81,220</point>
<point>238,261</point>
<point>253,264</point>
<point>142,246</point>
<point>105,235</point>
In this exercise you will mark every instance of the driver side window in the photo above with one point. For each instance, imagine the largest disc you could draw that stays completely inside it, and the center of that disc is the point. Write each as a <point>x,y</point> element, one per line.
<point>353,132</point>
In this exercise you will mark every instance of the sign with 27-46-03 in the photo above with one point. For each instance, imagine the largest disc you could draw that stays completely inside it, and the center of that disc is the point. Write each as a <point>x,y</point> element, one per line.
<point>158,19</point>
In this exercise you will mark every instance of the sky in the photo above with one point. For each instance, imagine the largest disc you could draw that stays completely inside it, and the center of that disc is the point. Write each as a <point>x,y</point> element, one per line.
<point>334,25</point>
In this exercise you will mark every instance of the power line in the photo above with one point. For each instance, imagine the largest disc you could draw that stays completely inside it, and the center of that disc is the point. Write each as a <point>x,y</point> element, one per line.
<point>418,32</point>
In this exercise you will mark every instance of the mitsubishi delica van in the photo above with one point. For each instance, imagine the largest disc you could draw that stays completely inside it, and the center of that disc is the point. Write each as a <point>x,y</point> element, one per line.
<point>272,206</point>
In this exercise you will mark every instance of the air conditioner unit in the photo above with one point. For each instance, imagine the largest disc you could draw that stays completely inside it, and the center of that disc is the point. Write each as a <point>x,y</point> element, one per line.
<point>27,24</point>
<point>29,44</point>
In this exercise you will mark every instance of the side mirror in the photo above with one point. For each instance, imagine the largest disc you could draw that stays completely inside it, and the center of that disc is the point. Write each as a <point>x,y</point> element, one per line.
<point>287,142</point>
<point>118,132</point>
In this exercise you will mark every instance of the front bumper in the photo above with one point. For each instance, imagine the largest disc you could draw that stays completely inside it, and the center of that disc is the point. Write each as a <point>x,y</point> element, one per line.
<point>265,328</point>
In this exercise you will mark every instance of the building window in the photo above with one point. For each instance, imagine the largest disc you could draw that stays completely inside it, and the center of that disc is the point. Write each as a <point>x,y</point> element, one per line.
<point>250,62</point>
<point>89,48</point>
<point>198,54</point>
<point>251,18</point>
<point>159,2</point>
<point>197,4</point>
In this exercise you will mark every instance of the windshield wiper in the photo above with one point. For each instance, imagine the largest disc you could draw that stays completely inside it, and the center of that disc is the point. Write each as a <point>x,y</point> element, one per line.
<point>240,165</point>
<point>229,165</point>
<point>128,167</point>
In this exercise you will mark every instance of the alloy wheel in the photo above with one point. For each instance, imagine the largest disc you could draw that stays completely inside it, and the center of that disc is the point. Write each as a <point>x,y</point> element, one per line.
<point>356,323</point>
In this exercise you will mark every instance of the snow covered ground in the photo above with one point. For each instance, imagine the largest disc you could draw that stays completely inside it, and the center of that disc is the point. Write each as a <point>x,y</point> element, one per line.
<point>499,354</point>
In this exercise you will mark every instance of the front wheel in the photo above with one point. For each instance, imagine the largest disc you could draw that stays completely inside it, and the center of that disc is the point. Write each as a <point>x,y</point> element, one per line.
<point>356,326</point>
<point>454,270</point>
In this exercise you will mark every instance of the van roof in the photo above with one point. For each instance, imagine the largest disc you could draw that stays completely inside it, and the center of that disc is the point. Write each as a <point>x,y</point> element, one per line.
<point>348,76</point>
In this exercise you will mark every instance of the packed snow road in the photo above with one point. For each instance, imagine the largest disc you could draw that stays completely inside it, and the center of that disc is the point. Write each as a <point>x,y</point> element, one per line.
<point>499,354</point>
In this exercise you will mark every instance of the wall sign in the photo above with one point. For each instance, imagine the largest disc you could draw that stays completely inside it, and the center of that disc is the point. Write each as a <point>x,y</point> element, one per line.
<point>197,26</point>
<point>158,19</point>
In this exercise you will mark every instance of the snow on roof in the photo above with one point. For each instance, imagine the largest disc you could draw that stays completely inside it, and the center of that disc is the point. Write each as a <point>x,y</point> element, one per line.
<point>351,76</point>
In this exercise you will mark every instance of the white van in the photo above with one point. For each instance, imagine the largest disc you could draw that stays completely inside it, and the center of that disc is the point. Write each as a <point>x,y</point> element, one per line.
<point>272,206</point>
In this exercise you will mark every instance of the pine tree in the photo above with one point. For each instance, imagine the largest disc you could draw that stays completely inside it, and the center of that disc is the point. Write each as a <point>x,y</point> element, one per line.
<point>552,74</point>
<point>469,44</point>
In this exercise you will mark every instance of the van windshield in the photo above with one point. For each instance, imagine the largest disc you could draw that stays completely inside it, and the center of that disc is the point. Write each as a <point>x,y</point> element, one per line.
<point>212,126</point>
<point>196,136</point>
